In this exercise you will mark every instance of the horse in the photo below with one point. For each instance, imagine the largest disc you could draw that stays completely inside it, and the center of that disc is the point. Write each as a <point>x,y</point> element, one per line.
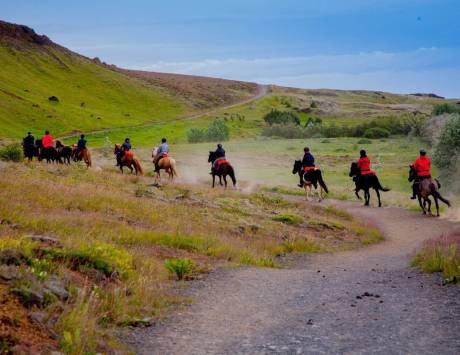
<point>127,159</point>
<point>366,182</point>
<point>30,151</point>
<point>49,154</point>
<point>310,178</point>
<point>84,154</point>
<point>64,152</point>
<point>222,170</point>
<point>166,163</point>
<point>427,187</point>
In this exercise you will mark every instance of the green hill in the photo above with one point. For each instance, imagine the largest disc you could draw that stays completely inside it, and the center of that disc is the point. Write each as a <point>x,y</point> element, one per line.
<point>91,94</point>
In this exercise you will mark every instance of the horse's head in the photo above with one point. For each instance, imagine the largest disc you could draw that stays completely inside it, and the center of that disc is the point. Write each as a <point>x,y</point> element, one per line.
<point>212,157</point>
<point>297,168</point>
<point>117,148</point>
<point>412,173</point>
<point>154,152</point>
<point>59,144</point>
<point>354,169</point>
<point>38,143</point>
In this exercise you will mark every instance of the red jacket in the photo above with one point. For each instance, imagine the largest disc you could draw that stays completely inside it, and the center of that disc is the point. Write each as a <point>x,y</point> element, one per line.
<point>47,141</point>
<point>423,166</point>
<point>364,164</point>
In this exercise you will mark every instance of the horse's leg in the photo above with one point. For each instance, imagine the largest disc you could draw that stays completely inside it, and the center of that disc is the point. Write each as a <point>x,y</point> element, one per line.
<point>429,206</point>
<point>213,180</point>
<point>378,196</point>
<point>422,205</point>
<point>220,180</point>
<point>225,180</point>
<point>436,202</point>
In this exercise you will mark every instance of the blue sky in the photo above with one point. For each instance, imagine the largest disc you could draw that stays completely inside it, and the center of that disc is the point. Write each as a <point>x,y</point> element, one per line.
<point>394,45</point>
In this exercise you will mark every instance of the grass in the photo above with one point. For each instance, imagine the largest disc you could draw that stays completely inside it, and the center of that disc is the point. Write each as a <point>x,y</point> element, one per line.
<point>441,255</point>
<point>118,247</point>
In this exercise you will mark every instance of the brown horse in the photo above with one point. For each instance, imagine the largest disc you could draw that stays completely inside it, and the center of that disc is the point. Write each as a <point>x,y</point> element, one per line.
<point>426,188</point>
<point>127,159</point>
<point>222,171</point>
<point>167,164</point>
<point>84,155</point>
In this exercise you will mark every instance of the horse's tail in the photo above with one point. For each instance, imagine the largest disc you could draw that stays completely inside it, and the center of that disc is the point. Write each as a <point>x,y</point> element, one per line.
<point>379,186</point>
<point>88,158</point>
<point>172,163</point>
<point>138,165</point>
<point>231,172</point>
<point>438,195</point>
<point>321,181</point>
<point>438,183</point>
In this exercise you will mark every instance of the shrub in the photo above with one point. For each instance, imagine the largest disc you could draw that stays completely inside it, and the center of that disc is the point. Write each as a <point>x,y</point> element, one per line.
<point>377,132</point>
<point>12,152</point>
<point>196,135</point>
<point>281,117</point>
<point>289,131</point>
<point>364,141</point>
<point>218,131</point>
<point>445,108</point>
<point>179,267</point>
<point>447,151</point>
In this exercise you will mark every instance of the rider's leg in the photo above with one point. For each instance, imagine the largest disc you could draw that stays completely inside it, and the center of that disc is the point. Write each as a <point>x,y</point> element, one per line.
<point>301,181</point>
<point>414,190</point>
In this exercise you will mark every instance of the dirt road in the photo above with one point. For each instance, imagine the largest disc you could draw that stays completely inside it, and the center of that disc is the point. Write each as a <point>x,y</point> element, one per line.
<point>364,301</point>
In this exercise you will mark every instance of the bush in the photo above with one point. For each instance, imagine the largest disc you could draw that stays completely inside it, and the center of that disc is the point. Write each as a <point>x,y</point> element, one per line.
<point>377,132</point>
<point>364,141</point>
<point>445,108</point>
<point>281,117</point>
<point>288,219</point>
<point>179,267</point>
<point>196,135</point>
<point>12,152</point>
<point>218,131</point>
<point>447,151</point>
<point>289,131</point>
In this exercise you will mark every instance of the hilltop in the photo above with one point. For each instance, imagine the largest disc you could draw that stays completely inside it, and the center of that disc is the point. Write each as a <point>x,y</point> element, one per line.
<point>91,94</point>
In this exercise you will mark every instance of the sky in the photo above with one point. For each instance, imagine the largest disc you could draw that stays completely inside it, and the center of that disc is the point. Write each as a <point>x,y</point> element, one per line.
<point>402,46</point>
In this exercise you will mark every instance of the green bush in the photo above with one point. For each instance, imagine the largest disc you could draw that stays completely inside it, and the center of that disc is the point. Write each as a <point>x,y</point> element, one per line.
<point>281,117</point>
<point>447,151</point>
<point>12,152</point>
<point>377,132</point>
<point>288,218</point>
<point>445,108</point>
<point>181,268</point>
<point>196,135</point>
<point>218,131</point>
<point>364,141</point>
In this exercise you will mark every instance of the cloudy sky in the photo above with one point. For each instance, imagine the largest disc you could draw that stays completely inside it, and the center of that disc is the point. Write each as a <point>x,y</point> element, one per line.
<point>394,45</point>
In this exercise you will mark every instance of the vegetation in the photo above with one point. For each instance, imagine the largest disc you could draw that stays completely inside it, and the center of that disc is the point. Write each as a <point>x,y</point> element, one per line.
<point>281,117</point>
<point>181,268</point>
<point>217,131</point>
<point>12,152</point>
<point>443,108</point>
<point>441,255</point>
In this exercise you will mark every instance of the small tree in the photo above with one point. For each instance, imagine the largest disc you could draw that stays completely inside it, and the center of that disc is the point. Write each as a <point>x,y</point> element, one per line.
<point>196,135</point>
<point>218,131</point>
<point>447,151</point>
<point>376,132</point>
<point>281,117</point>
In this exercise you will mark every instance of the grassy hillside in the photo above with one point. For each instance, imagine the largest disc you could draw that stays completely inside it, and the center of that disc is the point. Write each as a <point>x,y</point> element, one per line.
<point>91,95</point>
<point>84,251</point>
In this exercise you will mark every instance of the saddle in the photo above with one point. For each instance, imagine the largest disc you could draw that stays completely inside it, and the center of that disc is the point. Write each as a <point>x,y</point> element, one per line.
<point>222,162</point>
<point>129,155</point>
<point>309,168</point>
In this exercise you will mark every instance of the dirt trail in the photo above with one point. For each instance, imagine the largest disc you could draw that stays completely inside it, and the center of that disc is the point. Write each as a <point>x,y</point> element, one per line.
<point>313,307</point>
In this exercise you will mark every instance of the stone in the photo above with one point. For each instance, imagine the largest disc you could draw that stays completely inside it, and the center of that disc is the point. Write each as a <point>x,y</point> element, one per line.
<point>30,297</point>
<point>57,287</point>
<point>9,272</point>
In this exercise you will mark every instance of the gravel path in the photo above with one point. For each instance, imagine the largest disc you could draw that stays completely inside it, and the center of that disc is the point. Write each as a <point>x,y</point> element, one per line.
<point>365,301</point>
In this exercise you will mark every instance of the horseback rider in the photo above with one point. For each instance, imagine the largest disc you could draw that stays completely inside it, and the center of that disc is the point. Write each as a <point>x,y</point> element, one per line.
<point>219,154</point>
<point>47,140</point>
<point>81,146</point>
<point>125,147</point>
<point>422,166</point>
<point>364,164</point>
<point>308,163</point>
<point>28,144</point>
<point>162,151</point>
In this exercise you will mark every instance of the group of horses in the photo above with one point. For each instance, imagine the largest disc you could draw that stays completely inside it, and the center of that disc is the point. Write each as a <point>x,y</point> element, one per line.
<point>425,187</point>
<point>61,154</point>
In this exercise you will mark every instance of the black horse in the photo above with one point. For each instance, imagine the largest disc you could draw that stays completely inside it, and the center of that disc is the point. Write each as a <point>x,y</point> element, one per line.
<point>64,153</point>
<point>424,188</point>
<point>49,154</point>
<point>310,178</point>
<point>366,182</point>
<point>30,151</point>
<point>222,170</point>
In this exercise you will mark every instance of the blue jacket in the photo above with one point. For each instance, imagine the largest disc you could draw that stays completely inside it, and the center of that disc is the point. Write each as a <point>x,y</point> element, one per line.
<point>81,144</point>
<point>163,148</point>
<point>308,160</point>
<point>126,146</point>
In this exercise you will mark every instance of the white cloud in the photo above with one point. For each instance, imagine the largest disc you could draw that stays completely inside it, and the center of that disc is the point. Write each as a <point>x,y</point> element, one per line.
<point>426,69</point>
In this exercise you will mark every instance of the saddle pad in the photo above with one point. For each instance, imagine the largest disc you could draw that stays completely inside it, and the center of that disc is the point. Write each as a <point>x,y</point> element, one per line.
<point>222,162</point>
<point>129,155</point>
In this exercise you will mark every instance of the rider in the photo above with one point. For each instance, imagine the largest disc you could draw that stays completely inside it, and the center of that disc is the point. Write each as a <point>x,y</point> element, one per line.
<point>422,167</point>
<point>219,155</point>
<point>28,144</point>
<point>81,145</point>
<point>364,163</point>
<point>163,150</point>
<point>308,163</point>
<point>125,147</point>
<point>47,140</point>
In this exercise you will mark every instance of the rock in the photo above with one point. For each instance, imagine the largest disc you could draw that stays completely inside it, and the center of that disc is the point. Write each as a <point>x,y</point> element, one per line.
<point>38,317</point>
<point>136,322</point>
<point>53,98</point>
<point>44,239</point>
<point>30,297</point>
<point>56,286</point>
<point>11,257</point>
<point>9,272</point>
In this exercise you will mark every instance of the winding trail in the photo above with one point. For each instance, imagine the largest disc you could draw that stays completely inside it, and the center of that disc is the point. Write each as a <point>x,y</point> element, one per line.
<point>313,306</point>
<point>262,90</point>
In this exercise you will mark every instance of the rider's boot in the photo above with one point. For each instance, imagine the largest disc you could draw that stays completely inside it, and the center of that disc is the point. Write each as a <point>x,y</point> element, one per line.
<point>414,192</point>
